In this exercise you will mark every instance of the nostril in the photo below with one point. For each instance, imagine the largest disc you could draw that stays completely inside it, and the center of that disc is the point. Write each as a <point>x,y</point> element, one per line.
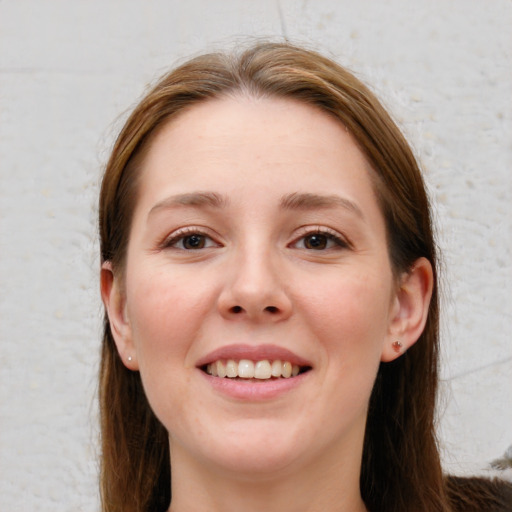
<point>236,309</point>
<point>271,309</point>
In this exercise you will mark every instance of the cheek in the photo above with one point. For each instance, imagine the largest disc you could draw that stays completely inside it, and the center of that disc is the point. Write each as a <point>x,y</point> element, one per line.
<point>165,312</point>
<point>350,320</point>
<point>350,311</point>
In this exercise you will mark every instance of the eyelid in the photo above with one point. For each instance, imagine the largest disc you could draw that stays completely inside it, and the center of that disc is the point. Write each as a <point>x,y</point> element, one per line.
<point>341,240</point>
<point>181,233</point>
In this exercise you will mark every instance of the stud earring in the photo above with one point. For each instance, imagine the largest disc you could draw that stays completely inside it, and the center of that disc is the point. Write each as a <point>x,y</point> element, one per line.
<point>129,359</point>
<point>397,346</point>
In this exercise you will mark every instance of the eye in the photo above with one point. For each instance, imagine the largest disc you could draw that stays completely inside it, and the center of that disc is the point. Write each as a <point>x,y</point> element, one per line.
<point>190,241</point>
<point>320,241</point>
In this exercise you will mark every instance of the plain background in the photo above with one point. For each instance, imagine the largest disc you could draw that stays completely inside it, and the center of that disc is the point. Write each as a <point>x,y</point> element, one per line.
<point>69,72</point>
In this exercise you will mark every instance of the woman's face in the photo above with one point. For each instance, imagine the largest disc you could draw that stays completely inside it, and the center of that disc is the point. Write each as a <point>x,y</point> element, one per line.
<point>257,238</point>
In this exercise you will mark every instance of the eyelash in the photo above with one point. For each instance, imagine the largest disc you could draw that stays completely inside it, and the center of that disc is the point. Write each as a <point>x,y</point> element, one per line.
<point>182,234</point>
<point>331,236</point>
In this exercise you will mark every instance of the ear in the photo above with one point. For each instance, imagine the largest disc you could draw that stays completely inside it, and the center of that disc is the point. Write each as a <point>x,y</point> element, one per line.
<point>409,310</point>
<point>114,300</point>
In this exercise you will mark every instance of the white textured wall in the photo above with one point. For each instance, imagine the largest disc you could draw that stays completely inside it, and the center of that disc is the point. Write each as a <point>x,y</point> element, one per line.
<point>69,68</point>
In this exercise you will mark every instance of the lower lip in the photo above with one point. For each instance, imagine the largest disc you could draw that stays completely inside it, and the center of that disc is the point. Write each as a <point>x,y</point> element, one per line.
<point>252,389</point>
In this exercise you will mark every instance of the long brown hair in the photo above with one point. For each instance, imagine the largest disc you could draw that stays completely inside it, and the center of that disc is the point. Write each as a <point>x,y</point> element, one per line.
<point>401,470</point>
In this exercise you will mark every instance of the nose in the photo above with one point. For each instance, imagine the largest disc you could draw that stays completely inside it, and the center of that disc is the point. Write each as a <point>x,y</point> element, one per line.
<point>254,290</point>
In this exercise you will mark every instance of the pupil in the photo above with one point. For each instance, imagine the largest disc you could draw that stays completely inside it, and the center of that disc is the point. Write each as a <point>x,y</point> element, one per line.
<point>194,242</point>
<point>316,242</point>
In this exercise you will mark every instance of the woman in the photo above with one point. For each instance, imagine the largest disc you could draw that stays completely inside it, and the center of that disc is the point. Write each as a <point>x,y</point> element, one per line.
<point>269,277</point>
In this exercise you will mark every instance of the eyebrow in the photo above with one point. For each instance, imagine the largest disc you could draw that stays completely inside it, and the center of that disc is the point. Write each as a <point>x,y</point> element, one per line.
<point>307,201</point>
<point>197,199</point>
<point>294,201</point>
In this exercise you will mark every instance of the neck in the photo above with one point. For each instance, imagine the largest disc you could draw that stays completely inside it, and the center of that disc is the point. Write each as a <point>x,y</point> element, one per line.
<point>330,486</point>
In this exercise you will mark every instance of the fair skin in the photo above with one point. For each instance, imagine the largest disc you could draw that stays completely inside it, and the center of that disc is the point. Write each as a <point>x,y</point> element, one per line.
<point>257,236</point>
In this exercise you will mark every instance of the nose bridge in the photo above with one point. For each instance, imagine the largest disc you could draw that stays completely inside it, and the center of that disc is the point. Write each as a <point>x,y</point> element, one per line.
<point>255,288</point>
<point>254,272</point>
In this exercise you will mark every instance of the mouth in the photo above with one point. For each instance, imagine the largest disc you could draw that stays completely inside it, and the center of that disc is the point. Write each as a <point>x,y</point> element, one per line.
<point>259,370</point>
<point>254,373</point>
<point>253,363</point>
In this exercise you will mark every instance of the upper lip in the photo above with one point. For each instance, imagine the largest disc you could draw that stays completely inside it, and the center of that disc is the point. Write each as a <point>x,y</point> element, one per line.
<point>253,353</point>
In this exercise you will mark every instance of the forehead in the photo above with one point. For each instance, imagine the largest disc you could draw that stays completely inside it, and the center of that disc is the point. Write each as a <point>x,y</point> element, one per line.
<point>243,137</point>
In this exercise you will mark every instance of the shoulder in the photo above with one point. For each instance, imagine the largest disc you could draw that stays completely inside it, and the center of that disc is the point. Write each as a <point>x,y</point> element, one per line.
<point>477,494</point>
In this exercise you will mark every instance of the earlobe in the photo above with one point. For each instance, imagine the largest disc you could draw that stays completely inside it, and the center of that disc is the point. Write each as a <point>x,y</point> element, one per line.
<point>410,311</point>
<point>114,301</point>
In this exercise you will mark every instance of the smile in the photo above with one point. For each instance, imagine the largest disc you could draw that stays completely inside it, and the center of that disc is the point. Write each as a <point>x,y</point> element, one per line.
<point>247,369</point>
<point>254,373</point>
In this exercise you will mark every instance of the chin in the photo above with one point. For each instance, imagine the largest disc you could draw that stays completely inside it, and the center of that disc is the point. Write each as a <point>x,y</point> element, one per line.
<point>257,462</point>
<point>252,449</point>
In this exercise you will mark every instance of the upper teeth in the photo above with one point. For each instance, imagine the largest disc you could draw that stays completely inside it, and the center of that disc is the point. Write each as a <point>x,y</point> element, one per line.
<point>247,369</point>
